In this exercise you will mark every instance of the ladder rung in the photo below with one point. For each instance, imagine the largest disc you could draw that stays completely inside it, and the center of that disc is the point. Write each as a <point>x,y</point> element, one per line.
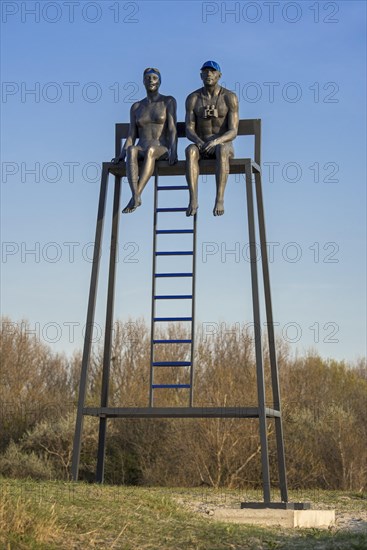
<point>173,297</point>
<point>172,364</point>
<point>156,386</point>
<point>173,231</point>
<point>171,187</point>
<point>172,341</point>
<point>171,209</point>
<point>175,253</point>
<point>173,275</point>
<point>172,319</point>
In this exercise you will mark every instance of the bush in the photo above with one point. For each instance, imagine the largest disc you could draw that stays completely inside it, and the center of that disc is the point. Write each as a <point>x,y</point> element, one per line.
<point>15,463</point>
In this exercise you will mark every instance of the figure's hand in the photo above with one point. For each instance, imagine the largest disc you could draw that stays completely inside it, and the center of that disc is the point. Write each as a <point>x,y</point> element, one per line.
<point>209,147</point>
<point>172,157</point>
<point>120,158</point>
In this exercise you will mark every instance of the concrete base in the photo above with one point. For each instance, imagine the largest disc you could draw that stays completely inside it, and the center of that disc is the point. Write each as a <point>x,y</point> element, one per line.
<point>320,519</point>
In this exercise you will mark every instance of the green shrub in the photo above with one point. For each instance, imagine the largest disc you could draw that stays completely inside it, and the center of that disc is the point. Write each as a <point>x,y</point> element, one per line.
<point>15,463</point>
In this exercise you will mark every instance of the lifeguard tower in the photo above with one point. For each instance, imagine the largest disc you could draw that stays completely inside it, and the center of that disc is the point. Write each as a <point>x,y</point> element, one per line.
<point>251,168</point>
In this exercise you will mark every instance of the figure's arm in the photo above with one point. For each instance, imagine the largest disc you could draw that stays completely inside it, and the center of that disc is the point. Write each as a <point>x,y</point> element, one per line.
<point>190,121</point>
<point>172,130</point>
<point>233,119</point>
<point>131,137</point>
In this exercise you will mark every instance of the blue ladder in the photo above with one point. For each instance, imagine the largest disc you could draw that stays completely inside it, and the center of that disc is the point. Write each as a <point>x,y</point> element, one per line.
<point>190,273</point>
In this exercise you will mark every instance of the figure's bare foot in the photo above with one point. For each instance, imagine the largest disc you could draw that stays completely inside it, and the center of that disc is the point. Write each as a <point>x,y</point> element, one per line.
<point>218,208</point>
<point>132,205</point>
<point>192,209</point>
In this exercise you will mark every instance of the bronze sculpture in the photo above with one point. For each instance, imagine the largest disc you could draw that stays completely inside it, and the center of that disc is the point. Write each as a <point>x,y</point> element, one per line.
<point>211,124</point>
<point>251,169</point>
<point>153,123</point>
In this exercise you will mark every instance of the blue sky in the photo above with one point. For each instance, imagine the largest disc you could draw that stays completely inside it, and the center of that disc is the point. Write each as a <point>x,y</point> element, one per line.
<point>299,66</point>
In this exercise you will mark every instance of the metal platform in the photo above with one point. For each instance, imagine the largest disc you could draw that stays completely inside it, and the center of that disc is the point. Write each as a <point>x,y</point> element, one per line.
<point>207,167</point>
<point>178,412</point>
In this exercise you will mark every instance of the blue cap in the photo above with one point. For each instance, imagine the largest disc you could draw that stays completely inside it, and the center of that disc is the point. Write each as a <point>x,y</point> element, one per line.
<point>151,70</point>
<point>212,64</point>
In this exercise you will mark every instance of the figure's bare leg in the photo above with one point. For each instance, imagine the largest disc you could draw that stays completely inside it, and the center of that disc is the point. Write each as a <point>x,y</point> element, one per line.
<point>132,172</point>
<point>223,152</point>
<point>192,176</point>
<point>151,155</point>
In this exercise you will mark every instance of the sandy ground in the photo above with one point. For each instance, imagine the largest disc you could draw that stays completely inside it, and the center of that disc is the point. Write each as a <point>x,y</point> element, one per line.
<point>351,521</point>
<point>355,521</point>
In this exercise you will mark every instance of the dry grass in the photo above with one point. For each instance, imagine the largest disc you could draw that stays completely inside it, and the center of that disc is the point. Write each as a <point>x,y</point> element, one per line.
<point>24,520</point>
<point>57,516</point>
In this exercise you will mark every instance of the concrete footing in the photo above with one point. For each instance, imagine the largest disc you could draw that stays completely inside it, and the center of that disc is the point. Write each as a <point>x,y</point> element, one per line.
<point>321,519</point>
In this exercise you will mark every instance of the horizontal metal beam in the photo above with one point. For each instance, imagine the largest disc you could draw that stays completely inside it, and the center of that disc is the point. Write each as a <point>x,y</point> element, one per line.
<point>178,412</point>
<point>236,166</point>
<point>276,505</point>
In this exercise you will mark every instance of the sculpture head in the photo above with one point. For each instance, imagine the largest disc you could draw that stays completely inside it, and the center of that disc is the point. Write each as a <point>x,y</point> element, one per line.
<point>210,73</point>
<point>152,79</point>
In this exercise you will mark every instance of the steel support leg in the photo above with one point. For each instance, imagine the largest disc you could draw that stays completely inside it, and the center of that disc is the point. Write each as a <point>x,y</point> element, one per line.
<point>108,330</point>
<point>89,324</point>
<point>258,344</point>
<point>271,339</point>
